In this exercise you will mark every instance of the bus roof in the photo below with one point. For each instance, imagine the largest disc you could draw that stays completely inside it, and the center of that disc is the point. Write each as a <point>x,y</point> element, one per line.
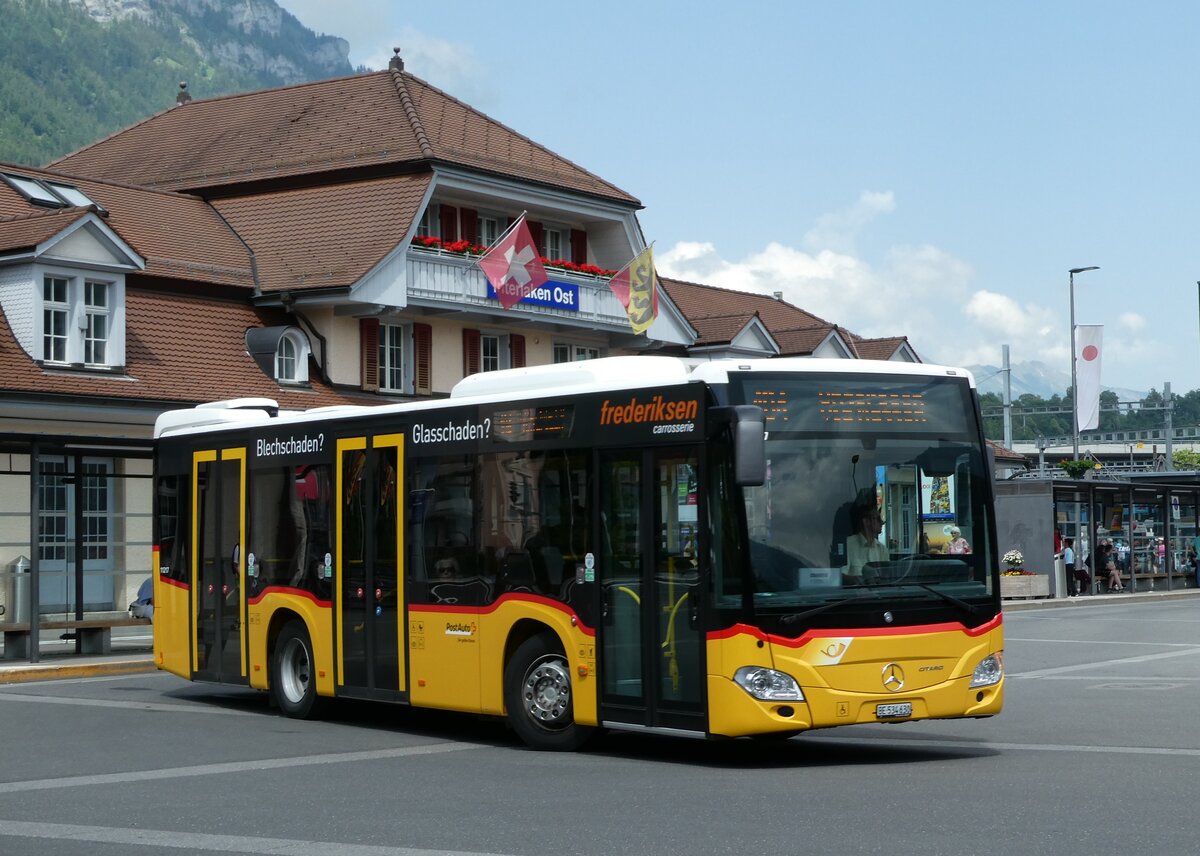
<point>606,373</point>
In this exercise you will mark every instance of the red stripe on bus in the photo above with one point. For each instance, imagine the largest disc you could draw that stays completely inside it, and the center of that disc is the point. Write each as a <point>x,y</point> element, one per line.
<point>254,601</point>
<point>828,633</point>
<point>519,597</point>
<point>177,583</point>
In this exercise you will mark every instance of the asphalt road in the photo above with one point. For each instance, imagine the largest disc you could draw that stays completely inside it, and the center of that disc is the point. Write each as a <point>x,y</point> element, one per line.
<point>1098,751</point>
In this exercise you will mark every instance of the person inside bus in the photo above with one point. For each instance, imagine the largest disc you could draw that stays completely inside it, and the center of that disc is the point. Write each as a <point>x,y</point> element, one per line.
<point>446,569</point>
<point>958,544</point>
<point>864,546</point>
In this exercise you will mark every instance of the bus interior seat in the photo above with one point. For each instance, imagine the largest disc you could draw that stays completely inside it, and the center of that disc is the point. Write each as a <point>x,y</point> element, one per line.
<point>516,570</point>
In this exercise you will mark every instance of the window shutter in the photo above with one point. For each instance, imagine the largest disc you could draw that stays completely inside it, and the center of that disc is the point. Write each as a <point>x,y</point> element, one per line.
<point>516,344</point>
<point>535,232</point>
<point>579,246</point>
<point>422,359</point>
<point>368,334</point>
<point>470,352</point>
<point>470,225</point>
<point>448,215</point>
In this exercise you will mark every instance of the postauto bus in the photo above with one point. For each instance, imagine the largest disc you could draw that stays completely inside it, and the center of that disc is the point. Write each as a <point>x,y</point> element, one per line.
<point>723,548</point>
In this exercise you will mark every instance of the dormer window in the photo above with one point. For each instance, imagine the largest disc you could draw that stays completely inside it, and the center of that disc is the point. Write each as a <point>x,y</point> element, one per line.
<point>291,358</point>
<point>78,321</point>
<point>281,352</point>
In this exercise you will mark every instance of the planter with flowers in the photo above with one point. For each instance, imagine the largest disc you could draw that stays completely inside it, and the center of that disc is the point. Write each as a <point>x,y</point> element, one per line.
<point>1016,581</point>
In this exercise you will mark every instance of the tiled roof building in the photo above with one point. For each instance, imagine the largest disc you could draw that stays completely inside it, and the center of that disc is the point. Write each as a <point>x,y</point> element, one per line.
<point>280,245</point>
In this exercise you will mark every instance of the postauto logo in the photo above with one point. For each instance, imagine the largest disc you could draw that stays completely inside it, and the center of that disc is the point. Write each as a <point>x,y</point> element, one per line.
<point>667,417</point>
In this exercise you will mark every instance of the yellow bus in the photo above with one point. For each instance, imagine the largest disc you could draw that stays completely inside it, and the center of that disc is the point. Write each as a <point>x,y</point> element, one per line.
<point>721,549</point>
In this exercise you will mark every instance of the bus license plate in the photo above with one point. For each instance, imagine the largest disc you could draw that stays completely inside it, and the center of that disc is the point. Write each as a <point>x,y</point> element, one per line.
<point>892,711</point>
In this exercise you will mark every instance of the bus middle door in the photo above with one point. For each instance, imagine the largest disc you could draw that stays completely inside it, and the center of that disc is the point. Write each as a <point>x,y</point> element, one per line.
<point>369,594</point>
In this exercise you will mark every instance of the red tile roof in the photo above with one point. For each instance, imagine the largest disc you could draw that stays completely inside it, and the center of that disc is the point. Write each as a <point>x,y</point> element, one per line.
<point>325,236</point>
<point>879,349</point>
<point>694,299</point>
<point>26,231</point>
<point>179,236</point>
<point>179,350</point>
<point>386,118</point>
<point>797,332</point>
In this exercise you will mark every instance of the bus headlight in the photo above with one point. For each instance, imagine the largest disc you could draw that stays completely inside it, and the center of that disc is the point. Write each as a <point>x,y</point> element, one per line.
<point>989,671</point>
<point>767,684</point>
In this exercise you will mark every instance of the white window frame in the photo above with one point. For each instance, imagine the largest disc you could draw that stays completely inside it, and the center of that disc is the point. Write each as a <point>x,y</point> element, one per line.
<point>552,235</point>
<point>423,224</point>
<point>575,352</point>
<point>401,345</point>
<point>56,308</point>
<point>503,355</point>
<point>490,229</point>
<point>292,353</point>
<point>81,318</point>
<point>96,315</point>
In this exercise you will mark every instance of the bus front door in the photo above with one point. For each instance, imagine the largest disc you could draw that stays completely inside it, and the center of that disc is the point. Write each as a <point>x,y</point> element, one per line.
<point>369,596</point>
<point>218,596</point>
<point>651,644</point>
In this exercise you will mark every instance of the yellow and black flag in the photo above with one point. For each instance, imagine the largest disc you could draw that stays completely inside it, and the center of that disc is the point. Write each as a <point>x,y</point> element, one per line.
<point>636,286</point>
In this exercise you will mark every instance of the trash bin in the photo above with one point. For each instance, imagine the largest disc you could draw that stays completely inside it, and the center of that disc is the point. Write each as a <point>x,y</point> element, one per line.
<point>18,591</point>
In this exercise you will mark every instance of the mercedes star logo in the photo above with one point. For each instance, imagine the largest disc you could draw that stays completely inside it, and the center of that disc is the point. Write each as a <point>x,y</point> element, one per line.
<point>893,678</point>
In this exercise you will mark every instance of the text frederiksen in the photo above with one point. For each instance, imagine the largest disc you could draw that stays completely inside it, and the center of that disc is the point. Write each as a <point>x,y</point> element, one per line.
<point>657,409</point>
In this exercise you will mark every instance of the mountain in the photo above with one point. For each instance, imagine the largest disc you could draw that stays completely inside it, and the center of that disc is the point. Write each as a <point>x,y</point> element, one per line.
<point>1037,378</point>
<point>74,71</point>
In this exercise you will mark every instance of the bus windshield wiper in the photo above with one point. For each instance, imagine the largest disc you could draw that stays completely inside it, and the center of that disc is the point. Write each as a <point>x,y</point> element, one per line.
<point>799,616</point>
<point>970,609</point>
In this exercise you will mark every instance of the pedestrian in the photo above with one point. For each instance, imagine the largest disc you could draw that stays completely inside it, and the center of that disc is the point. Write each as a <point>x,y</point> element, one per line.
<point>1068,554</point>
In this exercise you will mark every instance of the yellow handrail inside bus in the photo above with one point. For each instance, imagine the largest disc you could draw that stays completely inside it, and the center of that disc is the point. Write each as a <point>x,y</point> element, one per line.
<point>669,653</point>
<point>631,593</point>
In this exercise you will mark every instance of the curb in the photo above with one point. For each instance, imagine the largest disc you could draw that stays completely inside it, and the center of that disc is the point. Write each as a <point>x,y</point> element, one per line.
<point>1096,600</point>
<point>39,672</point>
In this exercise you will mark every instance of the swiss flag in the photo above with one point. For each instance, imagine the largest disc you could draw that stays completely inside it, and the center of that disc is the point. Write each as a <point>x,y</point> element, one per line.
<point>513,265</point>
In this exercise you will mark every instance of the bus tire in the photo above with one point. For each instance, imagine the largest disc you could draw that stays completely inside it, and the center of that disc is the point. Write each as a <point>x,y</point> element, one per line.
<point>293,675</point>
<point>537,696</point>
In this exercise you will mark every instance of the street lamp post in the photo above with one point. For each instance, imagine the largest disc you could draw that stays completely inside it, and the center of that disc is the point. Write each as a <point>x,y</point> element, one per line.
<point>1041,446</point>
<point>1074,383</point>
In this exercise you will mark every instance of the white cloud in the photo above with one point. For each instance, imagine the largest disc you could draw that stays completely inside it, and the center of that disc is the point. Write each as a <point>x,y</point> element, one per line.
<point>1132,321</point>
<point>373,29</point>
<point>837,231</point>
<point>916,291</point>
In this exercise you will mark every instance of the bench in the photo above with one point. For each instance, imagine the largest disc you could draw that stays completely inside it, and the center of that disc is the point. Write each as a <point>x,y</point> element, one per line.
<point>95,634</point>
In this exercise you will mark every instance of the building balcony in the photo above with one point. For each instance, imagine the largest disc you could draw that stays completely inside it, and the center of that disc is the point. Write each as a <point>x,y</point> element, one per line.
<point>440,279</point>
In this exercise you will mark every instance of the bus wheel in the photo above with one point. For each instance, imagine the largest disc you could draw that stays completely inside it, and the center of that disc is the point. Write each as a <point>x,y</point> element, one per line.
<point>537,694</point>
<point>293,678</point>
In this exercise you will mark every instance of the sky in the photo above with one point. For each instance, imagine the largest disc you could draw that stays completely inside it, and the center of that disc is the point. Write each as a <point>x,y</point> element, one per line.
<point>928,169</point>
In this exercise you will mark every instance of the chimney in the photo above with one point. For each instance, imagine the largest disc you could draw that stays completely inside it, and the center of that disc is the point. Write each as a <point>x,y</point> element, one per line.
<point>779,295</point>
<point>395,63</point>
<point>184,96</point>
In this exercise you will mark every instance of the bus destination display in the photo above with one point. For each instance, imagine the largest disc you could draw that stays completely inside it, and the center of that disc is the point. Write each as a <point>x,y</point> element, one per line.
<point>521,424</point>
<point>849,405</point>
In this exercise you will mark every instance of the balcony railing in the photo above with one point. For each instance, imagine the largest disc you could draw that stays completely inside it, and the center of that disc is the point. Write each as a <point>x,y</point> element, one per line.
<point>434,275</point>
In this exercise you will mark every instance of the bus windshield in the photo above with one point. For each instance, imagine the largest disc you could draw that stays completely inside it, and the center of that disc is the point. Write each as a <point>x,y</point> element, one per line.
<point>877,491</point>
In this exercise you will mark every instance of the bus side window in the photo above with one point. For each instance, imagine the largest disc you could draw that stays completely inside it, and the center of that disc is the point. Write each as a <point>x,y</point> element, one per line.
<point>172,495</point>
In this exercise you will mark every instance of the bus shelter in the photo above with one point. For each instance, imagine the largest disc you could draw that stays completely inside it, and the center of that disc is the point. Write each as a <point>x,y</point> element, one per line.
<point>1149,519</point>
<point>75,540</point>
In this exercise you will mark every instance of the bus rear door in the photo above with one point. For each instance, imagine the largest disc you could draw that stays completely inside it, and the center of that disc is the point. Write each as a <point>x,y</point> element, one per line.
<point>651,645</point>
